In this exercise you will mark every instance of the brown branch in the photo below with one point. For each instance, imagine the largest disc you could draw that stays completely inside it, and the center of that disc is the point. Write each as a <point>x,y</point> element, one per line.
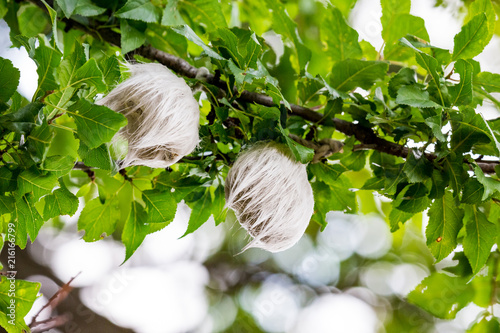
<point>59,296</point>
<point>88,170</point>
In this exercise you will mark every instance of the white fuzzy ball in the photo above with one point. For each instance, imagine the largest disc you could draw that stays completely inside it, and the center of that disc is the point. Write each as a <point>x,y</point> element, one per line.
<point>270,195</point>
<point>163,116</point>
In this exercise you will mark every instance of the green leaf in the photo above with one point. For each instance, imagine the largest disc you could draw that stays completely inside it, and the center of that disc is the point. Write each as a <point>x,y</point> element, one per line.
<point>10,17</point>
<point>59,165</point>
<point>489,81</point>
<point>66,74</point>
<point>374,183</point>
<point>7,183</point>
<point>309,88</point>
<point>355,161</point>
<point>349,74</point>
<point>87,8</point>
<point>436,125</point>
<point>28,220</point>
<point>445,220</point>
<point>17,101</point>
<point>60,202</point>
<point>486,127</point>
<point>327,173</point>
<point>391,9</point>
<point>302,154</point>
<point>22,294</point>
<point>3,8</point>
<point>141,10</point>
<point>135,229</point>
<point>200,212</point>
<point>469,129</point>
<point>400,26</point>
<point>431,65</point>
<point>23,120</point>
<point>6,204</point>
<point>473,192</point>
<point>47,60</point>
<point>417,167</point>
<point>486,7</point>
<point>207,12</point>
<point>38,141</point>
<point>462,268</point>
<point>335,196</point>
<point>253,48</point>
<point>218,205</point>
<point>53,20</point>
<point>461,94</point>
<point>342,40</point>
<point>442,295</point>
<point>32,20</point>
<point>132,36</point>
<point>171,15</point>
<point>165,39</point>
<point>479,7</point>
<point>454,168</point>
<point>98,220</point>
<point>91,74</point>
<point>480,237</point>
<point>472,39</point>
<point>491,185</point>
<point>32,181</point>
<point>393,177</point>
<point>284,25</point>
<point>110,69</point>
<point>413,198</point>
<point>183,185</point>
<point>227,45</point>
<point>405,77</point>
<point>396,216</point>
<point>416,97</point>
<point>242,76</point>
<point>490,325</point>
<point>187,32</point>
<point>99,157</point>
<point>96,124</point>
<point>10,79</point>
<point>161,206</point>
<point>67,6</point>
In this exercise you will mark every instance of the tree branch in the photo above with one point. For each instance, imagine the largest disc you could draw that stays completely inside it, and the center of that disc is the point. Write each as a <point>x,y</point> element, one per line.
<point>57,298</point>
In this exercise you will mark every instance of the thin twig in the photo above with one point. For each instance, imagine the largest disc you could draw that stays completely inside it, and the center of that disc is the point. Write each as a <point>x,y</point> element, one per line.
<point>47,324</point>
<point>57,298</point>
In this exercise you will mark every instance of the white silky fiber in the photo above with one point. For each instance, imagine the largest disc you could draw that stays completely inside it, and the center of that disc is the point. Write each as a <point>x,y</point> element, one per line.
<point>163,116</point>
<point>270,195</point>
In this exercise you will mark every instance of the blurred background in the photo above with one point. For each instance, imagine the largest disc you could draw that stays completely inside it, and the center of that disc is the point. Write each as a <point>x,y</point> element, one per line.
<point>352,277</point>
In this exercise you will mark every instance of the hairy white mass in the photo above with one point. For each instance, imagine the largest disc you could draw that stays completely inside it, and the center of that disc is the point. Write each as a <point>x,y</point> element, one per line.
<point>270,195</point>
<point>162,114</point>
